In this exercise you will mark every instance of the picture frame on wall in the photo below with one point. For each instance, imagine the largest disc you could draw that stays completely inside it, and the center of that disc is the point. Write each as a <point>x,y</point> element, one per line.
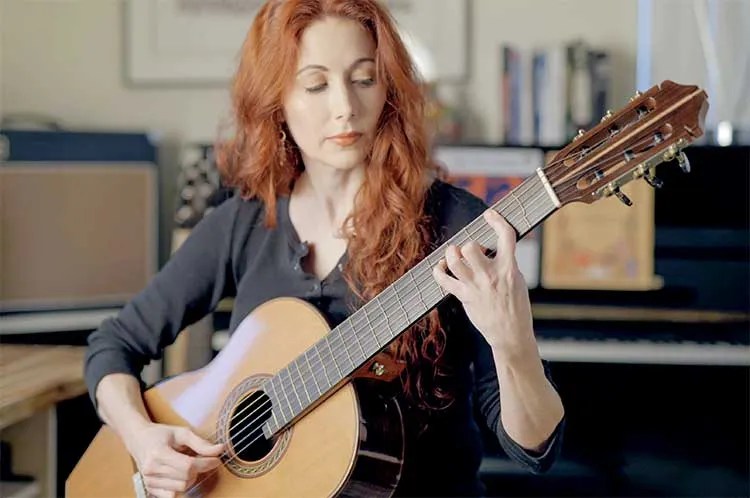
<point>607,248</point>
<point>198,42</point>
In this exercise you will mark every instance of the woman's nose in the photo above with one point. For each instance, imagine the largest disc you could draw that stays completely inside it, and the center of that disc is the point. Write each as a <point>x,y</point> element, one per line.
<point>342,102</point>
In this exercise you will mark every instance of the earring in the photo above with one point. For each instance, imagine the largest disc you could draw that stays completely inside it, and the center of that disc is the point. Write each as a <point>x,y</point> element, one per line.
<point>287,157</point>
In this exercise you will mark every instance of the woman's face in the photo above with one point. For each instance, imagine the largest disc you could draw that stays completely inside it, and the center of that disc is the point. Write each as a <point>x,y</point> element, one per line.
<point>334,102</point>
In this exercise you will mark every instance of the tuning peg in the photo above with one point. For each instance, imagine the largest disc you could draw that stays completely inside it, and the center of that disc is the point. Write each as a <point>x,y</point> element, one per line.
<point>653,181</point>
<point>623,198</point>
<point>607,115</point>
<point>637,94</point>
<point>684,162</point>
<point>580,134</point>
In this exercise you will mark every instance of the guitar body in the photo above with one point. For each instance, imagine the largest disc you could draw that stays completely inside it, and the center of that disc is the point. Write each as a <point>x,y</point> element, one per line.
<point>350,444</point>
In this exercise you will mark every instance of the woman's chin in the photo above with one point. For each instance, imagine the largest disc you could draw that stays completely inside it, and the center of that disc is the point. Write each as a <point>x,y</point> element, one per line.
<point>346,160</point>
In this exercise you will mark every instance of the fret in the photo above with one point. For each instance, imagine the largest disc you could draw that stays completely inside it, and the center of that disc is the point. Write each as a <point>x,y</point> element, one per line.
<point>369,324</point>
<point>312,373</point>
<point>303,381</point>
<point>385,315</point>
<point>535,209</point>
<point>284,389</point>
<point>434,258</point>
<point>301,403</point>
<point>323,364</point>
<point>464,232</point>
<point>513,196</point>
<point>337,331</point>
<point>356,339</point>
<point>440,290</point>
<point>418,289</point>
<point>401,307</point>
<point>270,390</point>
<point>333,357</point>
<point>489,238</point>
<point>275,420</point>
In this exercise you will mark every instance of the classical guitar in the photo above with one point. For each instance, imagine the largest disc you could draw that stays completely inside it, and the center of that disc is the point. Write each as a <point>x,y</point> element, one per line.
<point>288,395</point>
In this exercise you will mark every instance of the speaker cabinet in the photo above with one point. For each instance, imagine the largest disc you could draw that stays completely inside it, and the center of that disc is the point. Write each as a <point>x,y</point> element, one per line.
<point>78,219</point>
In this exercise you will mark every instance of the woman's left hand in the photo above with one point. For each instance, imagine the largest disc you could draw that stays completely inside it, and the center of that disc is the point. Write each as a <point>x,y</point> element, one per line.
<point>492,290</point>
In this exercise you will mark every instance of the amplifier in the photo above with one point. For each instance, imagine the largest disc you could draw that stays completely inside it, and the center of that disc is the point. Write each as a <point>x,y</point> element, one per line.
<point>78,219</point>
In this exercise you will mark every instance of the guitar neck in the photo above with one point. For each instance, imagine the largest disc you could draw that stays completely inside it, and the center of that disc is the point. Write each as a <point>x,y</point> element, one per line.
<point>330,362</point>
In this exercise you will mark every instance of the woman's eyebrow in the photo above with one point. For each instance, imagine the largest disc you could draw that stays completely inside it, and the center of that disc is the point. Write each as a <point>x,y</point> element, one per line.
<point>323,68</point>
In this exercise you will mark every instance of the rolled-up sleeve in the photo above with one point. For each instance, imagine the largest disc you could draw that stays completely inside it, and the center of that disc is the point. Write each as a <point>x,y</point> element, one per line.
<point>487,392</point>
<point>458,209</point>
<point>197,276</point>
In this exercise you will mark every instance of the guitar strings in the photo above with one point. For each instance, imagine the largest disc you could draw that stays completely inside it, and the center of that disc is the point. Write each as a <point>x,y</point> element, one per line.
<point>596,145</point>
<point>355,319</point>
<point>593,147</point>
<point>568,186</point>
<point>265,404</point>
<point>315,369</point>
<point>430,294</point>
<point>335,356</point>
<point>522,190</point>
<point>387,303</point>
<point>481,234</point>
<point>555,175</point>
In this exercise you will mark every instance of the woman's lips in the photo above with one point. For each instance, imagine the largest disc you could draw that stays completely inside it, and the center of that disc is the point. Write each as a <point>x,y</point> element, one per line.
<point>346,139</point>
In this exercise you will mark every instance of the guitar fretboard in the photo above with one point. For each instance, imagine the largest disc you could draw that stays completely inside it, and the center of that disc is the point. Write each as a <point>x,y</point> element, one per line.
<point>330,361</point>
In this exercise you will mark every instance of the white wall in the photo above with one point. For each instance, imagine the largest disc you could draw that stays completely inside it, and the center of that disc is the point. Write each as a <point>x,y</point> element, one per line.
<point>64,58</point>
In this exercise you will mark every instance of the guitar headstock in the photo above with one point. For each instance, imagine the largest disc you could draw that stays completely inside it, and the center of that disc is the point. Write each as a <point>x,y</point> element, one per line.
<point>627,145</point>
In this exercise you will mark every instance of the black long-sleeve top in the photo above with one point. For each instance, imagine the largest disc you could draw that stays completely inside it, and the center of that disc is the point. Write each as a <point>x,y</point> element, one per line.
<point>231,253</point>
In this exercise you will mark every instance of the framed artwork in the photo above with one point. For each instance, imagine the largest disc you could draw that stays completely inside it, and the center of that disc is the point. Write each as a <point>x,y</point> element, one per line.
<point>198,42</point>
<point>607,246</point>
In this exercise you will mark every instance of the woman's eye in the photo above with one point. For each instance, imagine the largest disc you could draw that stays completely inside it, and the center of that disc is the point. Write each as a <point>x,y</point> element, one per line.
<point>365,82</point>
<point>316,88</point>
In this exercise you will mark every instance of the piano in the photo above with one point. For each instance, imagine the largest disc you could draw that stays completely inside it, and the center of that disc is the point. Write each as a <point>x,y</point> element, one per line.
<point>616,334</point>
<point>702,253</point>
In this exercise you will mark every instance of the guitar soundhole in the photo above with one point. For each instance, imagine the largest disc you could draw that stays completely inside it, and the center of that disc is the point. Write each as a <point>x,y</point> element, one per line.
<point>246,427</point>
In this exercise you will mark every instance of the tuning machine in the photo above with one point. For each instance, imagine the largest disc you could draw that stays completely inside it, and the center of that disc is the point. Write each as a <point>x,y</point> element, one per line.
<point>614,190</point>
<point>684,162</point>
<point>673,152</point>
<point>623,198</point>
<point>647,173</point>
<point>652,180</point>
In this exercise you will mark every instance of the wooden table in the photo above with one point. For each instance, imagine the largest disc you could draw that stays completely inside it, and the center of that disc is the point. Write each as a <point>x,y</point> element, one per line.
<point>32,380</point>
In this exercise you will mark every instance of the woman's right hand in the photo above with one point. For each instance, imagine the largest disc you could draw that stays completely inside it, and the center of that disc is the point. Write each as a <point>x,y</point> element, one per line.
<point>170,458</point>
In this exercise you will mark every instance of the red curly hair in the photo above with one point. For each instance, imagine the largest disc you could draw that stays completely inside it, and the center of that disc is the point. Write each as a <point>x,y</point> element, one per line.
<point>391,200</point>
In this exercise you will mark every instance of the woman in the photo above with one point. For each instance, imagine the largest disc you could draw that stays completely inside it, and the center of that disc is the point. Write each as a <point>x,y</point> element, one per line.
<point>330,149</point>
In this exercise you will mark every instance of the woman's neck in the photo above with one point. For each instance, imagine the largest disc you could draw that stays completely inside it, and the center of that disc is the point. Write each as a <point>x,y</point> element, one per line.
<point>332,192</point>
